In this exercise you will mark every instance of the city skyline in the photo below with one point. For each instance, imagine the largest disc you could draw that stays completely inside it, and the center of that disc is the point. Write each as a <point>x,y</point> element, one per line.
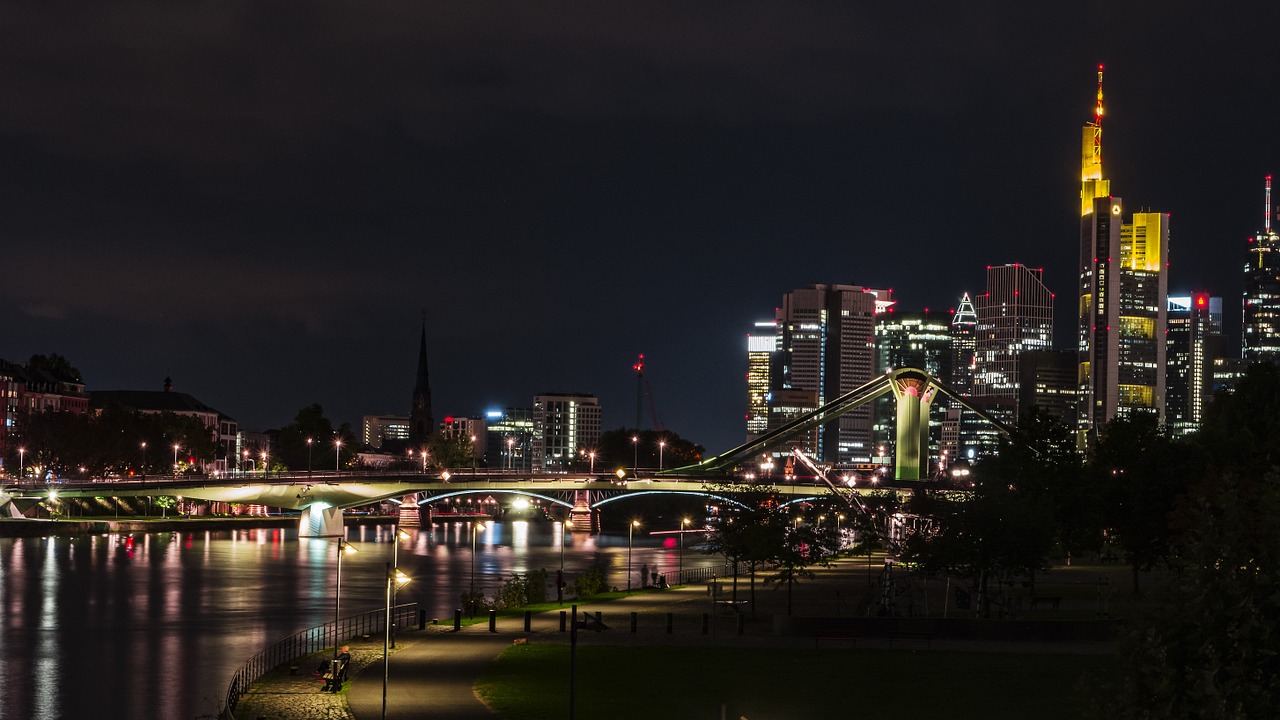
<point>261,206</point>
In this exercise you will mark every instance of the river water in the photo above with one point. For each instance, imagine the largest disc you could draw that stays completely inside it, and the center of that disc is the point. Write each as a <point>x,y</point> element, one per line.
<point>153,625</point>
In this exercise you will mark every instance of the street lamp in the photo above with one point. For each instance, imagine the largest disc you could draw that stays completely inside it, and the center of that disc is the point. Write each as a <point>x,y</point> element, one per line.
<point>592,455</point>
<point>344,548</point>
<point>510,443</point>
<point>22,462</point>
<point>144,460</point>
<point>395,563</point>
<point>635,453</point>
<point>176,447</point>
<point>309,442</point>
<point>475,529</point>
<point>337,450</point>
<point>634,524</point>
<point>395,579</point>
<point>684,523</point>
<point>473,454</point>
<point>266,467</point>
<point>662,444</point>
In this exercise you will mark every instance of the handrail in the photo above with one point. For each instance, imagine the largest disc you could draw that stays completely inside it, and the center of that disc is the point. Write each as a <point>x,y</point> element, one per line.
<point>308,641</point>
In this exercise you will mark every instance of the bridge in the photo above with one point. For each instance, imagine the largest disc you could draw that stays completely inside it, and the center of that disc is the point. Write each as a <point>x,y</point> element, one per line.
<point>321,497</point>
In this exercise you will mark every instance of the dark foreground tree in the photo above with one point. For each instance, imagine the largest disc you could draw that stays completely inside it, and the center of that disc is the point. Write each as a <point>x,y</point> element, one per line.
<point>1209,646</point>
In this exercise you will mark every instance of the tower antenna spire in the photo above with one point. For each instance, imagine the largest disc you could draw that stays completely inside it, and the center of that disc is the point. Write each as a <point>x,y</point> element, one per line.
<point>1268,211</point>
<point>1097,111</point>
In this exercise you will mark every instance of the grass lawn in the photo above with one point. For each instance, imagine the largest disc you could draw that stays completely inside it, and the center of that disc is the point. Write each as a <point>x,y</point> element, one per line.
<point>530,682</point>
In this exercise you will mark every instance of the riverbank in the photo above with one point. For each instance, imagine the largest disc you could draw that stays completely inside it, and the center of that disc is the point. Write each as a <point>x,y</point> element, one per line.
<point>109,526</point>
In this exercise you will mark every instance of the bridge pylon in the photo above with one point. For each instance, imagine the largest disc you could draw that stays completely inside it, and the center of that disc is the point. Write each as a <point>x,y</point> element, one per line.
<point>411,513</point>
<point>321,520</point>
<point>914,394</point>
<point>582,516</point>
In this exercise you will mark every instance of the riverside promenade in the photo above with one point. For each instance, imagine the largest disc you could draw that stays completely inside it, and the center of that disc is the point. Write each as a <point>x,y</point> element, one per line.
<point>432,672</point>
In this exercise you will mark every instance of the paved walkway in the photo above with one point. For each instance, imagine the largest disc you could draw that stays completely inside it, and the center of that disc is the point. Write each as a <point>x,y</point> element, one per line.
<point>432,672</point>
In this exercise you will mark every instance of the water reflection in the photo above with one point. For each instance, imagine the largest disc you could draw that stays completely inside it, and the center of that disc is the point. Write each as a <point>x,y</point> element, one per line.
<point>152,626</point>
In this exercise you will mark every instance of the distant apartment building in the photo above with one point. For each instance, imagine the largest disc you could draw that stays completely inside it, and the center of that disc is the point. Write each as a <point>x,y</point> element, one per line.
<point>469,430</point>
<point>27,391</point>
<point>509,439</point>
<point>376,430</point>
<point>565,425</point>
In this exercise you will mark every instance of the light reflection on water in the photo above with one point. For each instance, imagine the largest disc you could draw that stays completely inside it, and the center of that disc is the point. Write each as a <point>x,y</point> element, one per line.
<point>153,625</point>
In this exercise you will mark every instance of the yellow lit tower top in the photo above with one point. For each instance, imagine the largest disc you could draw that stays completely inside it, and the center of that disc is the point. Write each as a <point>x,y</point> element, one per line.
<point>1091,183</point>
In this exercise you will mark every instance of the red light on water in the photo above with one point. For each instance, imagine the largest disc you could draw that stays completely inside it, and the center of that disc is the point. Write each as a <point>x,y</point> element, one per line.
<point>668,542</point>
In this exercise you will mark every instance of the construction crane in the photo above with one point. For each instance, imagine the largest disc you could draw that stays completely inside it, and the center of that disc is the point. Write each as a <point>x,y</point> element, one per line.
<point>642,390</point>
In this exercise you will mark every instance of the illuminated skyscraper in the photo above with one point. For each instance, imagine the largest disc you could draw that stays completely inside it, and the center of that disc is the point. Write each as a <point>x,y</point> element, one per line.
<point>1260,339</point>
<point>826,341</point>
<point>1015,315</point>
<point>762,351</point>
<point>1123,287</point>
<point>964,325</point>
<point>911,339</point>
<point>1193,343</point>
<point>563,426</point>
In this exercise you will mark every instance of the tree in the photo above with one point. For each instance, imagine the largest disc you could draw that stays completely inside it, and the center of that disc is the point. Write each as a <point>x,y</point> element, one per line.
<point>624,448</point>
<point>1208,646</point>
<point>800,547</point>
<point>53,363</point>
<point>1142,472</point>
<point>311,424</point>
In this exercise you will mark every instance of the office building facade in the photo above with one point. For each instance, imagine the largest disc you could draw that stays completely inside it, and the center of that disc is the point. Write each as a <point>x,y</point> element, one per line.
<point>1260,332</point>
<point>1193,343</point>
<point>564,426</point>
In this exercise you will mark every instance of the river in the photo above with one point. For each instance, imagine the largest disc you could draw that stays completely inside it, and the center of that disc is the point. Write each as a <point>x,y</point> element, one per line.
<point>153,625</point>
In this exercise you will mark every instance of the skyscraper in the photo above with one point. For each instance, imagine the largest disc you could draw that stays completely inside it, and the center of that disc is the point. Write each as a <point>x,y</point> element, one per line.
<point>762,350</point>
<point>964,325</point>
<point>920,340</point>
<point>1015,315</point>
<point>1260,336</point>
<point>826,337</point>
<point>1123,286</point>
<point>1193,343</point>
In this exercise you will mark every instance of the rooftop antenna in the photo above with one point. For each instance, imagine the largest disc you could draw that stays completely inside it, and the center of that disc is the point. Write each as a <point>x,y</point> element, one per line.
<point>1268,220</point>
<point>1097,111</point>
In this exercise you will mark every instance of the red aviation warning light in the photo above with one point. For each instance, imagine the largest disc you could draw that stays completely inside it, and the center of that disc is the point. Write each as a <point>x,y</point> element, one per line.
<point>639,366</point>
<point>1201,300</point>
<point>1097,111</point>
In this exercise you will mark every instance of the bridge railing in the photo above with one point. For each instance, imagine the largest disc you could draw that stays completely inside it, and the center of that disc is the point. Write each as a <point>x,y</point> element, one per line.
<point>309,641</point>
<point>689,576</point>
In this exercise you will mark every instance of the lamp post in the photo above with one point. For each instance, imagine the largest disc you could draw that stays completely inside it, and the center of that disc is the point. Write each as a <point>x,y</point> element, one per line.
<point>473,454</point>
<point>475,530</point>
<point>176,447</point>
<point>592,455</point>
<point>144,460</point>
<point>309,443</point>
<point>22,463</point>
<point>662,444</point>
<point>395,579</point>
<point>344,548</point>
<point>634,524</point>
<point>635,453</point>
<point>684,523</point>
<point>395,563</point>
<point>510,443</point>
<point>337,451</point>
<point>266,466</point>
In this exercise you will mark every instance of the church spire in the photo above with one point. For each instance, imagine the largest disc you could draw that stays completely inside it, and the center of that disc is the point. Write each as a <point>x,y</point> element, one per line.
<point>422,424</point>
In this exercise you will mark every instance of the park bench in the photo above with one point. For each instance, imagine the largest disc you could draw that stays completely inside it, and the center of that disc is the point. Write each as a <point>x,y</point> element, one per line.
<point>1052,602</point>
<point>731,607</point>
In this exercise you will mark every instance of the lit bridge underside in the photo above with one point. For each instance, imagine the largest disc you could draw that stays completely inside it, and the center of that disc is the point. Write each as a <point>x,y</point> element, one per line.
<point>321,498</point>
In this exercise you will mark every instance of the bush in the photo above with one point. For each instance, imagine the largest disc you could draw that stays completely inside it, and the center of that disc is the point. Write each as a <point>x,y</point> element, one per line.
<point>521,590</point>
<point>592,581</point>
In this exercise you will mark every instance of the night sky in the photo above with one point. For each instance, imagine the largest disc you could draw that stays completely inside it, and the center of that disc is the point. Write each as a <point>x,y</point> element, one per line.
<point>260,199</point>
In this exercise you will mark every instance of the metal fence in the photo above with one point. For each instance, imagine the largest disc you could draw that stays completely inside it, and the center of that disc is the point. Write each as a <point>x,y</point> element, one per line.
<point>693,575</point>
<point>309,641</point>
